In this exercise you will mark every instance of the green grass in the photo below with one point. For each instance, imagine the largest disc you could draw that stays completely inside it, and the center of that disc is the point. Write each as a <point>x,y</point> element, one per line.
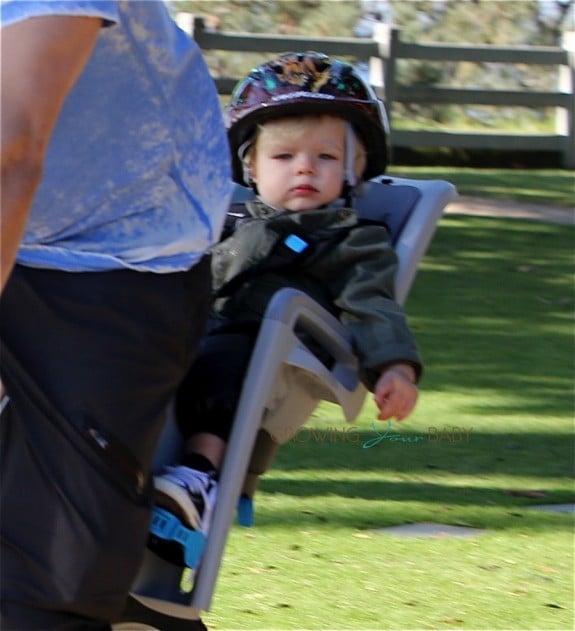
<point>492,310</point>
<point>547,186</point>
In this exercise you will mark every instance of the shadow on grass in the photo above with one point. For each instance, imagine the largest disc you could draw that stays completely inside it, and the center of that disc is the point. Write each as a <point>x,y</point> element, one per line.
<point>444,453</point>
<point>414,491</point>
<point>453,485</point>
<point>492,310</point>
<point>384,513</point>
<point>491,480</point>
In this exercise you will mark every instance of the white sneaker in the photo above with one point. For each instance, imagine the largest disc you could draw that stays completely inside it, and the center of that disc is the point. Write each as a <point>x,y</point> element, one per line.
<point>189,494</point>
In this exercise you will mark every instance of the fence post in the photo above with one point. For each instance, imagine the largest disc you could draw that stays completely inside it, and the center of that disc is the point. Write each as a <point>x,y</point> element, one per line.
<point>199,28</point>
<point>185,21</point>
<point>386,37</point>
<point>565,117</point>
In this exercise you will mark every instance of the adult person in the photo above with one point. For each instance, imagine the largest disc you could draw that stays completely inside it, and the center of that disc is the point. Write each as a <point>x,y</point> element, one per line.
<point>115,183</point>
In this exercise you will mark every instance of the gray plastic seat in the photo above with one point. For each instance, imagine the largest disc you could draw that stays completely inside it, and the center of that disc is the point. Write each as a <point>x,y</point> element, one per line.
<point>286,381</point>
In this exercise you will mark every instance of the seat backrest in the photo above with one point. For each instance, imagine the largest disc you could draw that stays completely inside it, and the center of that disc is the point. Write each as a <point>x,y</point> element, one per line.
<point>411,209</point>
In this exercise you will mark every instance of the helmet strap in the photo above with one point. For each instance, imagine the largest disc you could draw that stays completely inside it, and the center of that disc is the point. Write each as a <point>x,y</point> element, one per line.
<point>349,178</point>
<point>349,173</point>
<point>246,172</point>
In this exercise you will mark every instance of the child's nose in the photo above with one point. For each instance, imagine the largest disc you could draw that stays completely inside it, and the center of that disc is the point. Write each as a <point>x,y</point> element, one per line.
<point>305,164</point>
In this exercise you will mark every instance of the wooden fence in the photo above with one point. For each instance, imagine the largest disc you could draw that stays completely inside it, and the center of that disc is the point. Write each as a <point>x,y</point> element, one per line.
<point>382,53</point>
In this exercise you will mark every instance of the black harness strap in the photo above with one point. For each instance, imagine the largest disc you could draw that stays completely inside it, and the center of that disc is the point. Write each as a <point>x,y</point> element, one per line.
<point>290,253</point>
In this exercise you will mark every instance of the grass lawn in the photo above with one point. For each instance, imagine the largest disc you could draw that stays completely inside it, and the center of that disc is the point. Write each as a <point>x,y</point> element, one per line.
<point>492,436</point>
<point>547,186</point>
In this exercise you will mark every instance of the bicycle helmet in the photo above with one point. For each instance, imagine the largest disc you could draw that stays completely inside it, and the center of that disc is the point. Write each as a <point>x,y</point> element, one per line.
<point>296,84</point>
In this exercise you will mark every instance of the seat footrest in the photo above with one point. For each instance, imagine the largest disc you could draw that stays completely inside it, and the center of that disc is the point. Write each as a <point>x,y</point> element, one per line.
<point>245,511</point>
<point>167,526</point>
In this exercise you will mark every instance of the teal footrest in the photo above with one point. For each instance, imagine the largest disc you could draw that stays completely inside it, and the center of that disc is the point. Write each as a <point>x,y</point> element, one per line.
<point>245,511</point>
<point>167,526</point>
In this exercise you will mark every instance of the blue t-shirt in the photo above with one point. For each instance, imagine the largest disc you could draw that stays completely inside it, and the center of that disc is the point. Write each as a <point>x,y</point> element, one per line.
<point>138,170</point>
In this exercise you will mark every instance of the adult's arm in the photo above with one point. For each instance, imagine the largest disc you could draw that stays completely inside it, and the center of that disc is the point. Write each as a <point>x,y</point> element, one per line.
<point>41,59</point>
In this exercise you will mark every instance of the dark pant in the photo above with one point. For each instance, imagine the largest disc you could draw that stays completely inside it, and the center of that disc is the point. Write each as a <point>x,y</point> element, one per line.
<point>208,397</point>
<point>90,362</point>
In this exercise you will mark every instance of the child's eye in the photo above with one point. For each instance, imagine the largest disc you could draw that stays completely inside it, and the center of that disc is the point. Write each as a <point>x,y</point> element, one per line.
<point>328,156</point>
<point>282,156</point>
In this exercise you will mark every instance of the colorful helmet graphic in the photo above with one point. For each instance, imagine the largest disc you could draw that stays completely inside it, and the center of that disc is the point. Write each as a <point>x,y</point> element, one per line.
<point>307,83</point>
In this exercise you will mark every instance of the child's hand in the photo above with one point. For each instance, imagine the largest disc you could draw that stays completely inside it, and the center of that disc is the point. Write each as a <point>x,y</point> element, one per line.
<point>395,392</point>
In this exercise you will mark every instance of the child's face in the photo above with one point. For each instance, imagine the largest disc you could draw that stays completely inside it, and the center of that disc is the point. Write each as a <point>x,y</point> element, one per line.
<point>298,164</point>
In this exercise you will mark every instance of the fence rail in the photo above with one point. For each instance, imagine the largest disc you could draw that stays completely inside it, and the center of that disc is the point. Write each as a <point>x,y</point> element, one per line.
<point>383,51</point>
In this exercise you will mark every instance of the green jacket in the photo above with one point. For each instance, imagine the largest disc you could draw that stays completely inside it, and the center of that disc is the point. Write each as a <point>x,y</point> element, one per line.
<point>350,271</point>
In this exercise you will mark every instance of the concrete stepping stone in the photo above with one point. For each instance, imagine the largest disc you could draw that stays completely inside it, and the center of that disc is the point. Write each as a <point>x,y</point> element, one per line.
<point>555,508</point>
